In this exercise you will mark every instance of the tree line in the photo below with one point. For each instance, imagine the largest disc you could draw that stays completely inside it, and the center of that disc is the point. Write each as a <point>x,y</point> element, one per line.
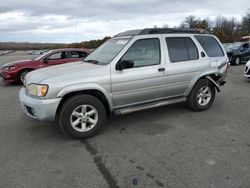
<point>226,29</point>
<point>92,44</point>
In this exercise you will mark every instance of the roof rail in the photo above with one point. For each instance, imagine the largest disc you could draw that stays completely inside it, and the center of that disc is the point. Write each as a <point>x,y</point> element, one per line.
<point>149,31</point>
<point>173,30</point>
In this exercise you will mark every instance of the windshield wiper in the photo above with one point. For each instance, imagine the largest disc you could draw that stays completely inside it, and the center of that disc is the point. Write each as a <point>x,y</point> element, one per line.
<point>91,61</point>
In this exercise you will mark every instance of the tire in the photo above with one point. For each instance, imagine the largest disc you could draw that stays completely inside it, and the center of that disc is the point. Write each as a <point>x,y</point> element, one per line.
<point>22,75</point>
<point>237,60</point>
<point>202,95</point>
<point>81,116</point>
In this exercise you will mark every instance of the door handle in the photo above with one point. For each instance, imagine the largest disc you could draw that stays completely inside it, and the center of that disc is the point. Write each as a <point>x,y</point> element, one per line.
<point>161,69</point>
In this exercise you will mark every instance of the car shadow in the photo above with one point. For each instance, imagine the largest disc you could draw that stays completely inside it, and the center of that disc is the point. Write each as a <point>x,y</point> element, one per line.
<point>144,120</point>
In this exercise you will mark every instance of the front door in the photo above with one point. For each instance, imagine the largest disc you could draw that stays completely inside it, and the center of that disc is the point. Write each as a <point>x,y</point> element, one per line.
<point>144,82</point>
<point>56,58</point>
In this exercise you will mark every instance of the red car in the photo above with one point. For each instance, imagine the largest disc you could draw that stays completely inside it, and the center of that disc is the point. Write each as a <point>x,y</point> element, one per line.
<point>16,71</point>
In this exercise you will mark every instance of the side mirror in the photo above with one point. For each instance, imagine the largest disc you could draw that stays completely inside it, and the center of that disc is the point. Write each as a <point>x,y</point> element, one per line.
<point>124,64</point>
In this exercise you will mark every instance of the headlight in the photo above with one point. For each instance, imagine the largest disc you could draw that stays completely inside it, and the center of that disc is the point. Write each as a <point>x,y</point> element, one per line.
<point>38,90</point>
<point>8,68</point>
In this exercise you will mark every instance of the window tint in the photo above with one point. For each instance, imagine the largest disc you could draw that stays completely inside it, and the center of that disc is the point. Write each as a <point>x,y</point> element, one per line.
<point>181,49</point>
<point>144,52</point>
<point>82,54</point>
<point>192,49</point>
<point>75,54</point>
<point>245,46</point>
<point>210,45</point>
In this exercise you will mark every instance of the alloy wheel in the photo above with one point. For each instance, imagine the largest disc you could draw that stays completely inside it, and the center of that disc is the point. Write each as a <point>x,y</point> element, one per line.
<point>84,118</point>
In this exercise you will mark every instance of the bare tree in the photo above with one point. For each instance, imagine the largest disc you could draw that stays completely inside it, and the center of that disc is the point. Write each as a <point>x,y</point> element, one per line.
<point>226,29</point>
<point>245,24</point>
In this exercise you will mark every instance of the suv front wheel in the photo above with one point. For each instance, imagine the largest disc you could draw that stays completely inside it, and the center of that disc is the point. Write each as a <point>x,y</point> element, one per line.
<point>81,116</point>
<point>202,95</point>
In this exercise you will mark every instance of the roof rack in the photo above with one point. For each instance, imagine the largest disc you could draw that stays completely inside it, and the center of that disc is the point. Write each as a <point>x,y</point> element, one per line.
<point>173,30</point>
<point>149,31</point>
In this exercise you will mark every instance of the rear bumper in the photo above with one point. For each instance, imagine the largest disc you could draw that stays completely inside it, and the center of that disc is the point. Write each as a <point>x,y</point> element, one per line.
<point>41,109</point>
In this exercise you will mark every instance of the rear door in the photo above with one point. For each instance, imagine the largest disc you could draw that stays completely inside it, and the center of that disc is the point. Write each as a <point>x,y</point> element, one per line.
<point>73,56</point>
<point>183,63</point>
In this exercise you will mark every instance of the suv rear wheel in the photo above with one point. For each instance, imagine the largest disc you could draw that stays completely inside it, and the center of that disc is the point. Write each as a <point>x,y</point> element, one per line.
<point>202,95</point>
<point>81,116</point>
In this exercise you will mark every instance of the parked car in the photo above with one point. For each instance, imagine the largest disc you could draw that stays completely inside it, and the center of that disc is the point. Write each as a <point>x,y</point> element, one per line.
<point>6,52</point>
<point>245,39</point>
<point>247,70</point>
<point>225,44</point>
<point>37,52</point>
<point>16,71</point>
<point>135,70</point>
<point>238,52</point>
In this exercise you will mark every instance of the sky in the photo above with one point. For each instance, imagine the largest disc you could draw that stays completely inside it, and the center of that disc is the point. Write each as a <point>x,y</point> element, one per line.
<point>59,21</point>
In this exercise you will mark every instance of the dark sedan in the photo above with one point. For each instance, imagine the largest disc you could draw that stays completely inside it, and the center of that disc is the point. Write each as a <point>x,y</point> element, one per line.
<point>238,52</point>
<point>16,71</point>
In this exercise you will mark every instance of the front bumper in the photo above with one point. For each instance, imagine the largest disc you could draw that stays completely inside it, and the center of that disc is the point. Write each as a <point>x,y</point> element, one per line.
<point>247,71</point>
<point>8,76</point>
<point>41,109</point>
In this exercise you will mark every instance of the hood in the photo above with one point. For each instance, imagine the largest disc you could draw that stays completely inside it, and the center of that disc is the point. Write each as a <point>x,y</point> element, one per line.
<point>21,62</point>
<point>68,73</point>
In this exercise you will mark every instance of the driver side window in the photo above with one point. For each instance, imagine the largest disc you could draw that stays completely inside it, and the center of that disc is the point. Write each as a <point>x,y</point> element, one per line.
<point>56,56</point>
<point>144,52</point>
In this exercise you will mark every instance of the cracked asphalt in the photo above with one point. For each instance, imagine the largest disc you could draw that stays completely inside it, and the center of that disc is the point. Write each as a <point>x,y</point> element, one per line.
<point>169,146</point>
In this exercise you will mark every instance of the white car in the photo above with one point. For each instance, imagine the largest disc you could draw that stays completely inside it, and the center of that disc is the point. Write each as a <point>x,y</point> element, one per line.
<point>247,70</point>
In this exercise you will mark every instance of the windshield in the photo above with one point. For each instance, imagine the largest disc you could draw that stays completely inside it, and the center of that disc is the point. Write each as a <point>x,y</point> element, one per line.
<point>107,52</point>
<point>234,46</point>
<point>41,56</point>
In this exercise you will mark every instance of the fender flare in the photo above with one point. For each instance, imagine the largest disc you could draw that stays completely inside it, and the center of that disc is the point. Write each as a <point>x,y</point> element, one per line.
<point>206,76</point>
<point>86,87</point>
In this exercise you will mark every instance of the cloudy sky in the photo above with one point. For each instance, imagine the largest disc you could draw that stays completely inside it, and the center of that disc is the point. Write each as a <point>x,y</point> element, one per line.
<point>80,20</point>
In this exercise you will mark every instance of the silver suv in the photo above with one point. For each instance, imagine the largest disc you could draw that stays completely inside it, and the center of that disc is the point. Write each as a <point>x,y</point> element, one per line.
<point>135,70</point>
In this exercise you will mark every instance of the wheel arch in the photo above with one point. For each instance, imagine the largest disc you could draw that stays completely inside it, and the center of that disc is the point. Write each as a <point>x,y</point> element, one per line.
<point>22,70</point>
<point>211,76</point>
<point>93,92</point>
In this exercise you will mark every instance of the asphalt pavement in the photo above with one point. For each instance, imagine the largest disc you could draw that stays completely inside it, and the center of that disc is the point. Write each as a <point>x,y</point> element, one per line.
<point>169,146</point>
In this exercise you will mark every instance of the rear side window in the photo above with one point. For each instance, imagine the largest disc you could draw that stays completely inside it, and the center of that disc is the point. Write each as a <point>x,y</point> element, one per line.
<point>76,54</point>
<point>181,49</point>
<point>210,45</point>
